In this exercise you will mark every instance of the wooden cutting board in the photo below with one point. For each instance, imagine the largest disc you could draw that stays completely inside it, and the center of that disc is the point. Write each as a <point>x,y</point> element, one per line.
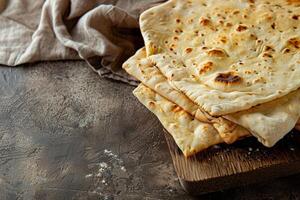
<point>244,162</point>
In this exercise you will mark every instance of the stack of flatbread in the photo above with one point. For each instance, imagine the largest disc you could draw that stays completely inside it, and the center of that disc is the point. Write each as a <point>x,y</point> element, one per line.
<point>217,71</point>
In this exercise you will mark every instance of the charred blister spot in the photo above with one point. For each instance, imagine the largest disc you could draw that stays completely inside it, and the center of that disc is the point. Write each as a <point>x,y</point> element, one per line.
<point>268,49</point>
<point>236,12</point>
<point>258,42</point>
<point>295,42</point>
<point>228,24</point>
<point>296,17</point>
<point>188,50</point>
<point>273,25</point>
<point>228,78</point>
<point>178,20</point>
<point>286,50</point>
<point>241,28</point>
<point>204,21</point>
<point>217,53</point>
<point>206,67</point>
<point>152,104</point>
<point>178,30</point>
<point>253,37</point>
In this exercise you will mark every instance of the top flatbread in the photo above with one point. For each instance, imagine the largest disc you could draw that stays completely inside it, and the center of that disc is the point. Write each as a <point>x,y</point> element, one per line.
<point>226,56</point>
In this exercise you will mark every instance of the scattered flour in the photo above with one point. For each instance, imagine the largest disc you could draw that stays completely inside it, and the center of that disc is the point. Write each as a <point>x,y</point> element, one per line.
<point>123,168</point>
<point>88,175</point>
<point>103,172</point>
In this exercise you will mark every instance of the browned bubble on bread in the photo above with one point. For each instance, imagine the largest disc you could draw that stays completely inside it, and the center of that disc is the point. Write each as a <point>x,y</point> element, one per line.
<point>228,78</point>
<point>206,67</point>
<point>217,53</point>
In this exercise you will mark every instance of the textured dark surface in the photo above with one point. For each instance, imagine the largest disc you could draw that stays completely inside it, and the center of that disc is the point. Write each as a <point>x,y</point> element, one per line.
<point>65,133</point>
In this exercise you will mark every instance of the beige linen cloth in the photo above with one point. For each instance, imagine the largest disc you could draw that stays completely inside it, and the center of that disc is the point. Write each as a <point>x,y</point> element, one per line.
<point>102,32</point>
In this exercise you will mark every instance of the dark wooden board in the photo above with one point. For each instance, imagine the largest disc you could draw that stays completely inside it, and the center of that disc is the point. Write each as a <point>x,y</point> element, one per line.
<point>242,163</point>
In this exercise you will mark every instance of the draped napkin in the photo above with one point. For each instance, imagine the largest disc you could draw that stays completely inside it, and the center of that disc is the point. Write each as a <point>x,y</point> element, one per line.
<point>102,32</point>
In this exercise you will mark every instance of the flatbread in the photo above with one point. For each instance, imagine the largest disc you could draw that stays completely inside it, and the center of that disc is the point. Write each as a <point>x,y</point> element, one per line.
<point>190,135</point>
<point>226,56</point>
<point>268,122</point>
<point>143,69</point>
<point>271,121</point>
